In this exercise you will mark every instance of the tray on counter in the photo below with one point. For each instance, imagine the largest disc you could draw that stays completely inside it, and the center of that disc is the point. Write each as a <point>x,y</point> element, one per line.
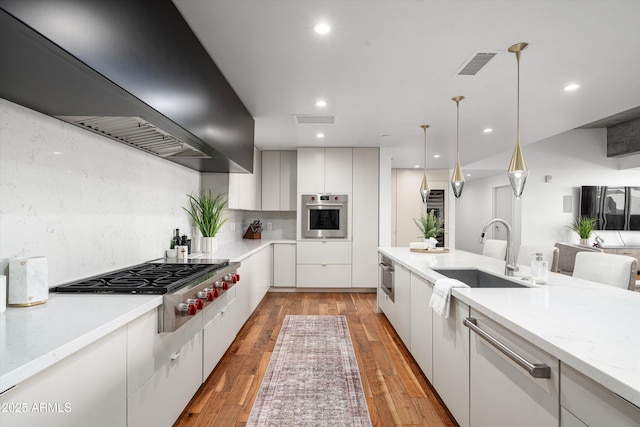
<point>431,251</point>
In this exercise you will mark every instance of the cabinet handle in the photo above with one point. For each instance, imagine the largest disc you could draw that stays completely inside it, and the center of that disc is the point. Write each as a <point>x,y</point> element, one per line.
<point>536,370</point>
<point>175,355</point>
<point>386,267</point>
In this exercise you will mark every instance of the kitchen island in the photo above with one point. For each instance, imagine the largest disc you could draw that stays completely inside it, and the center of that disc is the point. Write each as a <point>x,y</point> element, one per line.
<point>588,327</point>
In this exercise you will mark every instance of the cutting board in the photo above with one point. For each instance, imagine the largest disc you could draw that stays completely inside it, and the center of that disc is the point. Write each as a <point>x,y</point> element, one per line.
<point>432,251</point>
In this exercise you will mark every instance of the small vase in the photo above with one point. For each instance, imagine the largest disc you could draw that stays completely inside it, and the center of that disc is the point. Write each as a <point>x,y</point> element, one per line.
<point>584,242</point>
<point>209,245</point>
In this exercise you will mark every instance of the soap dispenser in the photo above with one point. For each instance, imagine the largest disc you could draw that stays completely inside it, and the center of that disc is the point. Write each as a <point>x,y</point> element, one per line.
<point>539,270</point>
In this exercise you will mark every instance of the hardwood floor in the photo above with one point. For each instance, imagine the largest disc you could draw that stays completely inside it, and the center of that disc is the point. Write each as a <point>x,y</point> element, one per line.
<point>397,392</point>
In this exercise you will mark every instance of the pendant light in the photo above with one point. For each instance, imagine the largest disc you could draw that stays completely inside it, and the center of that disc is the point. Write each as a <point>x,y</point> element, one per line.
<point>457,179</point>
<point>424,188</point>
<point>518,171</point>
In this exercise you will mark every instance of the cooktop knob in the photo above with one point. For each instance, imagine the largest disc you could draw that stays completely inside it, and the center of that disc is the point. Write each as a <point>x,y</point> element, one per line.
<point>202,294</point>
<point>216,293</point>
<point>200,303</point>
<point>183,308</point>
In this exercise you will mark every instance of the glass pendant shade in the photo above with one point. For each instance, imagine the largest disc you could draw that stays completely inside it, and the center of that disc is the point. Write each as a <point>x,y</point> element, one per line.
<point>424,190</point>
<point>424,187</point>
<point>457,179</point>
<point>518,171</point>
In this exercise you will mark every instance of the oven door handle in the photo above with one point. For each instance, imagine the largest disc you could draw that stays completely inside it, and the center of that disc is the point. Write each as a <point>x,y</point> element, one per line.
<point>386,267</point>
<point>339,205</point>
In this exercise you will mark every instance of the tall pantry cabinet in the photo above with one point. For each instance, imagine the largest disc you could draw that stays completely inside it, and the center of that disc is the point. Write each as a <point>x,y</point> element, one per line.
<point>351,171</point>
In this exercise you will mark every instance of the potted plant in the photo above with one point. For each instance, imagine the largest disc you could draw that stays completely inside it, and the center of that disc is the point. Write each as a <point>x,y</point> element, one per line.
<point>206,213</point>
<point>584,226</point>
<point>430,225</point>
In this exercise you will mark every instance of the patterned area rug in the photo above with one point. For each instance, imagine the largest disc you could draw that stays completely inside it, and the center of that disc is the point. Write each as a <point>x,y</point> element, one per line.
<point>312,378</point>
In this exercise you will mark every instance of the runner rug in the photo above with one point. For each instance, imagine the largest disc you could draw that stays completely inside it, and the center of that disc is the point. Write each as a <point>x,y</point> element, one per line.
<point>312,378</point>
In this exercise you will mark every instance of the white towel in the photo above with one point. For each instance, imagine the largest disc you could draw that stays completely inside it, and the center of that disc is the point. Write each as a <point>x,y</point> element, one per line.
<point>442,294</point>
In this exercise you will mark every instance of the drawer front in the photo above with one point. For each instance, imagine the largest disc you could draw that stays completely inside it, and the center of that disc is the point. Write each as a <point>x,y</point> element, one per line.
<point>594,404</point>
<point>324,276</point>
<point>161,400</point>
<point>323,252</point>
<point>567,419</point>
<point>218,334</point>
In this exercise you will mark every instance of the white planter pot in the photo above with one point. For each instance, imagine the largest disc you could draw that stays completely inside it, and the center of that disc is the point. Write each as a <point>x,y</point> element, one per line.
<point>584,242</point>
<point>209,245</point>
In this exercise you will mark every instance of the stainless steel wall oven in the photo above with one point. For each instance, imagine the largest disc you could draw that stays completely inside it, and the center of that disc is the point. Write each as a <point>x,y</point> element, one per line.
<point>324,216</point>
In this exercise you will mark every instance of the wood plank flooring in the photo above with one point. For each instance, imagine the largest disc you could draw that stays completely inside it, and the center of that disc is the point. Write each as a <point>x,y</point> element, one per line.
<point>397,392</point>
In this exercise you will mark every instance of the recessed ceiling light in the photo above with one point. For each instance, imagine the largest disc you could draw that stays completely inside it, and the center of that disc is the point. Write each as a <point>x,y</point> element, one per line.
<point>321,103</point>
<point>435,156</point>
<point>416,166</point>
<point>571,86</point>
<point>57,153</point>
<point>320,135</point>
<point>488,130</point>
<point>468,174</point>
<point>321,28</point>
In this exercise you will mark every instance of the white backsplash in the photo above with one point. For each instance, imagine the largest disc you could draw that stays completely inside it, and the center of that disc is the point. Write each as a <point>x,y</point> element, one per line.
<point>87,203</point>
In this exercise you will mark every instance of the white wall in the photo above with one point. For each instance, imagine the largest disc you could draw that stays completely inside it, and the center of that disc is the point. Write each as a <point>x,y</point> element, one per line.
<point>96,206</point>
<point>572,159</point>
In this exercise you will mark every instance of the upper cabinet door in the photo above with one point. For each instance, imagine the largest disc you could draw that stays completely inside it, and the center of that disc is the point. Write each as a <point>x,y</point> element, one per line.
<point>338,170</point>
<point>325,170</point>
<point>311,170</point>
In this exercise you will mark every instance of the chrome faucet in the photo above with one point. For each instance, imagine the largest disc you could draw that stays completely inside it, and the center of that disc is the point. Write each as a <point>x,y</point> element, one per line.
<point>510,265</point>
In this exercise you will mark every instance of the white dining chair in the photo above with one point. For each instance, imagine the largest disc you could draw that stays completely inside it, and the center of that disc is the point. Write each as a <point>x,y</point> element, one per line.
<point>609,269</point>
<point>549,254</point>
<point>495,248</point>
<point>567,256</point>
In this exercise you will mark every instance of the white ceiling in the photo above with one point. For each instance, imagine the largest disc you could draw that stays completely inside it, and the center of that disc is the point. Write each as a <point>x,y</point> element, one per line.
<point>389,66</point>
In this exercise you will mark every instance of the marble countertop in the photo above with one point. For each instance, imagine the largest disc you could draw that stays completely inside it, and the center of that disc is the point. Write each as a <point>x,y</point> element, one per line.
<point>592,327</point>
<point>34,338</point>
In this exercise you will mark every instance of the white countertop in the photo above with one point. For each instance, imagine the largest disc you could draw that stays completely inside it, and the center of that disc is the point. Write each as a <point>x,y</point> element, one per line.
<point>591,327</point>
<point>34,338</point>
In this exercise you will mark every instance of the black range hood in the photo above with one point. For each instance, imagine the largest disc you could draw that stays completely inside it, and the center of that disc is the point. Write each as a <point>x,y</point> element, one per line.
<point>131,70</point>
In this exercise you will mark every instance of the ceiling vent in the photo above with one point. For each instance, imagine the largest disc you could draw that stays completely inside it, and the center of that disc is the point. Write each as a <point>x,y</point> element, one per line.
<point>314,119</point>
<point>138,133</point>
<point>475,64</point>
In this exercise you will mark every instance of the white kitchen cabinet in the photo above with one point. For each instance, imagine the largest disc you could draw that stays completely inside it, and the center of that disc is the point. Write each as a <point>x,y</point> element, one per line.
<point>161,400</point>
<point>243,190</point>
<point>504,393</point>
<point>451,360</point>
<point>323,264</point>
<point>279,180</point>
<point>593,404</point>
<point>284,265</point>
<point>422,325</point>
<point>261,266</point>
<point>567,419</point>
<point>87,388</point>
<point>325,170</point>
<point>220,329</point>
<point>364,226</point>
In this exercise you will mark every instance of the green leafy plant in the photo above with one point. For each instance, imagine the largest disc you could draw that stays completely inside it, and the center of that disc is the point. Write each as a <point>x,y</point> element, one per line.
<point>430,225</point>
<point>584,226</point>
<point>206,212</point>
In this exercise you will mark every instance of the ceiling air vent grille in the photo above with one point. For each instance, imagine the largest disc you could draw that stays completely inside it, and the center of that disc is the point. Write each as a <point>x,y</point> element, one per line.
<point>314,119</point>
<point>138,133</point>
<point>476,63</point>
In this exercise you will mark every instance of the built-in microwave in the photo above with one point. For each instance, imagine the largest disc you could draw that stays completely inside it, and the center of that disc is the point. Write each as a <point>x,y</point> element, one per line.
<point>324,216</point>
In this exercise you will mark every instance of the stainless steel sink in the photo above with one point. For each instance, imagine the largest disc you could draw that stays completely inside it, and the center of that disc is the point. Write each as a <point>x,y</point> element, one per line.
<point>479,279</point>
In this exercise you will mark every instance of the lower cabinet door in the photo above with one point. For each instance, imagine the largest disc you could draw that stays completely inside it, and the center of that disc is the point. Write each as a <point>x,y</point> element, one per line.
<point>87,388</point>
<point>567,419</point>
<point>161,400</point>
<point>451,361</point>
<point>218,334</point>
<point>422,325</point>
<point>502,392</point>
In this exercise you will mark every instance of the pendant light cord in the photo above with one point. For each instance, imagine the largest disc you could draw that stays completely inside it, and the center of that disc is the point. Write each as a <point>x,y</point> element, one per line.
<point>518,109</point>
